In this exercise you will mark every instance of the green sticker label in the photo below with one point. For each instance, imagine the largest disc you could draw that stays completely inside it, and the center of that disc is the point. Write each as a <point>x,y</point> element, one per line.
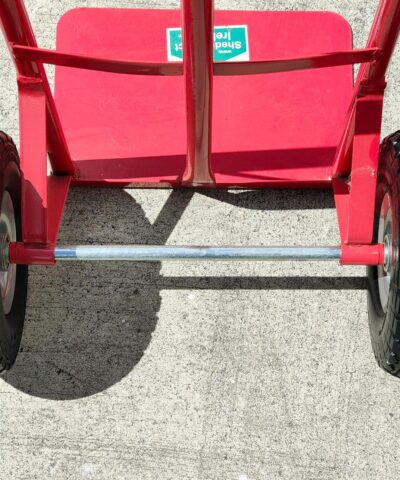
<point>230,44</point>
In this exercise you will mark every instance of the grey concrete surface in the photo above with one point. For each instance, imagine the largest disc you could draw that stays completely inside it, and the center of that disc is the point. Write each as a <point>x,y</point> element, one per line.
<point>185,371</point>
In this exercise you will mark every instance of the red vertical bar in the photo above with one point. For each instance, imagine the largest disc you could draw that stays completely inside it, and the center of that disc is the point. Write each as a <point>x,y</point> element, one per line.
<point>384,35</point>
<point>357,156</point>
<point>371,77</point>
<point>32,109</point>
<point>16,27</point>
<point>198,57</point>
<point>364,169</point>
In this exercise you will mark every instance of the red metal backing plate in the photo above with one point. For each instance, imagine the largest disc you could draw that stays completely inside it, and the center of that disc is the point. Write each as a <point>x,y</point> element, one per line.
<point>275,129</point>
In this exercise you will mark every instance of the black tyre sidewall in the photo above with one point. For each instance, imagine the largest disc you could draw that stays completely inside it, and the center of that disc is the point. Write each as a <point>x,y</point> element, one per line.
<point>385,327</point>
<point>11,325</point>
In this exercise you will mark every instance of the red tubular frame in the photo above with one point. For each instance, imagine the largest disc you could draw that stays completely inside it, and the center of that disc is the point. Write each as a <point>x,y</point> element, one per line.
<point>358,152</point>
<point>198,52</point>
<point>353,172</point>
<point>41,131</point>
<point>335,59</point>
<point>18,30</point>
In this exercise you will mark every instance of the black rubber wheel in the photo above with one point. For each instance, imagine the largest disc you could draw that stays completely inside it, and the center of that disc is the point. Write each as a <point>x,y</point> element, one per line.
<point>384,281</point>
<point>13,282</point>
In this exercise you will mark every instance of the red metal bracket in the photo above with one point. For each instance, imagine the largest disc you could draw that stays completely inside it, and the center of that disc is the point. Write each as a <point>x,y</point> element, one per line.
<point>26,254</point>
<point>363,255</point>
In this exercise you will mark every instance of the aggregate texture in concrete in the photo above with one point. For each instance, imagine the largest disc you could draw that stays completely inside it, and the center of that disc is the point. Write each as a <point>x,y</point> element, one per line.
<point>198,371</point>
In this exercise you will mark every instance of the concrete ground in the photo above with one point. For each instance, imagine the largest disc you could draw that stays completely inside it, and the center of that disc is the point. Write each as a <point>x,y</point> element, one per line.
<point>185,371</point>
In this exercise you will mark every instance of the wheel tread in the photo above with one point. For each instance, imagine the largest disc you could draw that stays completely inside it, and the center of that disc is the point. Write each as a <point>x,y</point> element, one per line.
<point>11,325</point>
<point>385,327</point>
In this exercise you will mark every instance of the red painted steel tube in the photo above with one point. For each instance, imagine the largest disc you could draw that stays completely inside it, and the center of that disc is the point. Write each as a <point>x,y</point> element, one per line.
<point>384,35</point>
<point>371,77</point>
<point>32,109</point>
<point>198,51</point>
<point>357,155</point>
<point>52,57</point>
<point>326,60</point>
<point>17,29</point>
<point>364,169</point>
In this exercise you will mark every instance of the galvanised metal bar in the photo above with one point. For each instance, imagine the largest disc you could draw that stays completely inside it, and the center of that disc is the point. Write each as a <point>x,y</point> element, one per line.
<point>143,253</point>
<point>198,53</point>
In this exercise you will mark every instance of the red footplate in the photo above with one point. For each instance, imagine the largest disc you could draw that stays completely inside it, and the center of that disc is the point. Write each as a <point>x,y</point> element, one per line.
<point>280,129</point>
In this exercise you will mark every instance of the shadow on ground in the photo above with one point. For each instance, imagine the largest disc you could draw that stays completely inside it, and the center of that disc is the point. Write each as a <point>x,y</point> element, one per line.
<point>89,324</point>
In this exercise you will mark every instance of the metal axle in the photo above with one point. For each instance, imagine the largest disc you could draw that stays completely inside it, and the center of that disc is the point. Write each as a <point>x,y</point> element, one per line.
<point>143,253</point>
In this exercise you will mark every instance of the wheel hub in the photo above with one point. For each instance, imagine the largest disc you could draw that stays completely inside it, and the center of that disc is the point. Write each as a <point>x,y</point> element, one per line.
<point>385,236</point>
<point>387,243</point>
<point>8,233</point>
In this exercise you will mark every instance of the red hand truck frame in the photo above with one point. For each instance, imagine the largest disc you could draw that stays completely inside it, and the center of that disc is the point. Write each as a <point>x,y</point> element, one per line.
<point>363,173</point>
<point>356,158</point>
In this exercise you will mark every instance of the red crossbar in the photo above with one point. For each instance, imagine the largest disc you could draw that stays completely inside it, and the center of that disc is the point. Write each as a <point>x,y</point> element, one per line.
<point>51,57</point>
<point>334,59</point>
<point>198,68</point>
<point>325,60</point>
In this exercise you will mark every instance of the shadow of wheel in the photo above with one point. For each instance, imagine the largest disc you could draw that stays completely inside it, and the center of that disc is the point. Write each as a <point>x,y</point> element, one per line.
<point>88,324</point>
